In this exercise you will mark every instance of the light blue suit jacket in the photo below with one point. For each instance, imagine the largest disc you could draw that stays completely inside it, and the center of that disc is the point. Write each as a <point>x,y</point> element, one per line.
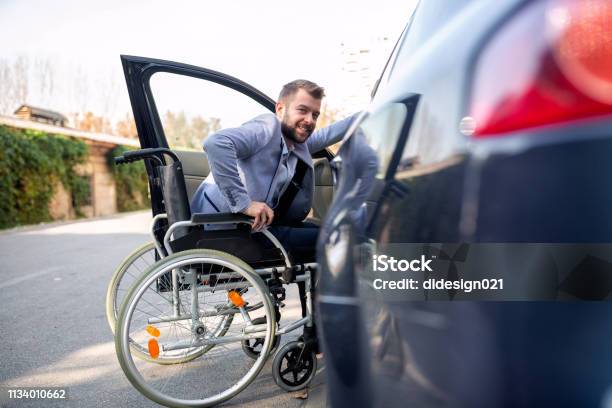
<point>244,164</point>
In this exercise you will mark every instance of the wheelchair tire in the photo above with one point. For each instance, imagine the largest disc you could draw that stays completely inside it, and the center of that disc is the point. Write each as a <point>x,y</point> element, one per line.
<point>294,367</point>
<point>219,374</point>
<point>124,277</point>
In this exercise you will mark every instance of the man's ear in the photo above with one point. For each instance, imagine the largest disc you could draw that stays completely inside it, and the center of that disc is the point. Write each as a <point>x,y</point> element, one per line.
<point>280,109</point>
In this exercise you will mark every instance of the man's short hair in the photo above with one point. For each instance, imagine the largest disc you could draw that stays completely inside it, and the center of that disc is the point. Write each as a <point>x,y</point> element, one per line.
<point>292,87</point>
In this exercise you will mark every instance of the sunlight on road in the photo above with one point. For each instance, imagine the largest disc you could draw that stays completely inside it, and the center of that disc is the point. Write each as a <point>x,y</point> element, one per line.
<point>136,223</point>
<point>82,366</point>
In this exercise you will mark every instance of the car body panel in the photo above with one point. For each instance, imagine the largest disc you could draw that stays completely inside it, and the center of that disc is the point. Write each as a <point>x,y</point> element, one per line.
<point>549,184</point>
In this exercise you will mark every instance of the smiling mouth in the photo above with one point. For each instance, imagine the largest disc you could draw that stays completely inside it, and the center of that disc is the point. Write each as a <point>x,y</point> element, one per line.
<point>305,129</point>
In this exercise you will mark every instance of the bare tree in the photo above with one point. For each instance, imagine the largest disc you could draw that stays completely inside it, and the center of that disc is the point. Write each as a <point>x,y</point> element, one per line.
<point>20,79</point>
<point>6,102</point>
<point>80,90</point>
<point>126,127</point>
<point>44,78</point>
<point>109,93</point>
<point>14,84</point>
<point>94,123</point>
<point>182,132</point>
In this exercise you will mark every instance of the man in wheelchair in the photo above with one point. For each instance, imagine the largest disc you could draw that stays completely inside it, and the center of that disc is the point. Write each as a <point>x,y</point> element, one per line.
<point>264,169</point>
<point>227,255</point>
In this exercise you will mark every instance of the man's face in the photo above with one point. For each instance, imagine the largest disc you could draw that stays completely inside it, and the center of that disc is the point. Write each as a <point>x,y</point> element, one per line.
<point>298,115</point>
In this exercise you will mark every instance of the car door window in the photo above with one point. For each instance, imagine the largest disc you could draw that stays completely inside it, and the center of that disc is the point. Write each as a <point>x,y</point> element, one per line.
<point>382,130</point>
<point>190,108</point>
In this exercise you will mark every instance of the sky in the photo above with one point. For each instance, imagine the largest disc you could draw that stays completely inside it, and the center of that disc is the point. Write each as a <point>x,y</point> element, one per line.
<point>265,43</point>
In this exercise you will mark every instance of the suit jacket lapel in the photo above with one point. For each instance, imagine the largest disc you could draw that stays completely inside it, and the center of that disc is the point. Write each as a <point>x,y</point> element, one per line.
<point>302,152</point>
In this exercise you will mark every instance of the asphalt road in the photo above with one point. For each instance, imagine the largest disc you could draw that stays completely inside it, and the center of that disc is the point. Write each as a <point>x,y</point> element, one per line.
<point>54,332</point>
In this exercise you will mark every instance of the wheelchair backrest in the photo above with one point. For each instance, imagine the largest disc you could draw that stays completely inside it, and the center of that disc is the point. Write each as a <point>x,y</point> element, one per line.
<point>195,169</point>
<point>174,192</point>
<point>179,181</point>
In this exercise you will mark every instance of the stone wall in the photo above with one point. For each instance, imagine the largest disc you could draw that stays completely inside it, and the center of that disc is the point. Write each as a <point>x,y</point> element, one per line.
<point>60,207</point>
<point>103,192</point>
<point>102,184</point>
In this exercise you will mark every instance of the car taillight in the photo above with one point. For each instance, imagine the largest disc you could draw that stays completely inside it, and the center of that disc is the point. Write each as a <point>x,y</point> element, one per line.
<point>550,63</point>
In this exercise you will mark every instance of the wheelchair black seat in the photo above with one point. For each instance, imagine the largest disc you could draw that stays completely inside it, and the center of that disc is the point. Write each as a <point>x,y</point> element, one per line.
<point>252,248</point>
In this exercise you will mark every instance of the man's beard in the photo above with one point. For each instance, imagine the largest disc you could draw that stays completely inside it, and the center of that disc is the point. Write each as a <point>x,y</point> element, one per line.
<point>289,132</point>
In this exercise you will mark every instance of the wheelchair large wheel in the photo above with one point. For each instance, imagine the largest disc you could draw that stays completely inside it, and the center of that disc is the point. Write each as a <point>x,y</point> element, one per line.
<point>171,324</point>
<point>132,267</point>
<point>124,277</point>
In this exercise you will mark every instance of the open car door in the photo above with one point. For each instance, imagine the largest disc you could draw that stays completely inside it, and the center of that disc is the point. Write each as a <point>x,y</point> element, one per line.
<point>176,105</point>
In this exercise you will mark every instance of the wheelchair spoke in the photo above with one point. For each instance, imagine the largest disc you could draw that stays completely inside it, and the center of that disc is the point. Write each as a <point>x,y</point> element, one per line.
<point>161,311</point>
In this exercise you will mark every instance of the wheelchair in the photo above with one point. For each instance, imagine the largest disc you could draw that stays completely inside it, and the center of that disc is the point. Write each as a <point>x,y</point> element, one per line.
<point>202,314</point>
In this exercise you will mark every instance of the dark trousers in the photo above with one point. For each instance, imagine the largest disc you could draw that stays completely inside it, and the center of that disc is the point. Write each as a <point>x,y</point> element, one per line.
<point>300,240</point>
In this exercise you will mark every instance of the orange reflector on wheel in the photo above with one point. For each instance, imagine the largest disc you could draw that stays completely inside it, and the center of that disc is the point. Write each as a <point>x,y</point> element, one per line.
<point>153,348</point>
<point>153,331</point>
<point>235,298</point>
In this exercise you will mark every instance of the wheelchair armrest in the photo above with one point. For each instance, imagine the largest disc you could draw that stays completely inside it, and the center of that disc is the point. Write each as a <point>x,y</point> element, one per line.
<point>221,218</point>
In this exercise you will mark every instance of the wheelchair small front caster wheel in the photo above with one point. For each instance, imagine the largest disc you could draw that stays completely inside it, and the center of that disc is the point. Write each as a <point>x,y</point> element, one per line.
<point>294,366</point>
<point>252,347</point>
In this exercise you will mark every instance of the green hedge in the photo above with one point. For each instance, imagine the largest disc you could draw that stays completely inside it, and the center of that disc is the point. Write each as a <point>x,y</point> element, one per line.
<point>131,182</point>
<point>31,163</point>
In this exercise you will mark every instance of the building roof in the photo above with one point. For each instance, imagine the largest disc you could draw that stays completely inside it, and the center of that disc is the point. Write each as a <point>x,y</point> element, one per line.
<point>81,134</point>
<point>43,112</point>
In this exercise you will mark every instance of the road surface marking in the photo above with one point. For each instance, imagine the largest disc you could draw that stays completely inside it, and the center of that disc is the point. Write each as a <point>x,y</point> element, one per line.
<point>20,279</point>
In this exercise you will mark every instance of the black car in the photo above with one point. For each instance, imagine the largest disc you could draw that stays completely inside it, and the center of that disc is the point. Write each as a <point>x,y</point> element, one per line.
<point>490,125</point>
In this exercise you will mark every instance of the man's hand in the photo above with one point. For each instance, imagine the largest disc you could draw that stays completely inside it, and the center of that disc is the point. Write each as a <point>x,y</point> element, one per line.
<point>261,212</point>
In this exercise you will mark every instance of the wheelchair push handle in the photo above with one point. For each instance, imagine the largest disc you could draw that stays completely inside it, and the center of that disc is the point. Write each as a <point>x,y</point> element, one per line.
<point>149,153</point>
